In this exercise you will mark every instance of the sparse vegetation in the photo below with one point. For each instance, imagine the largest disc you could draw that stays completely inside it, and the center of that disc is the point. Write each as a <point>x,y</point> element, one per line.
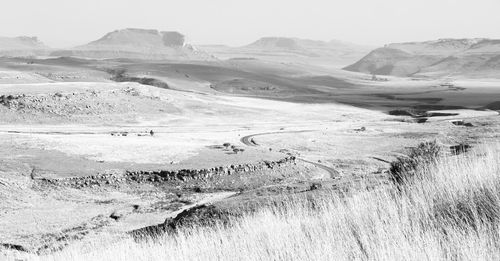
<point>448,212</point>
<point>237,150</point>
<point>120,75</point>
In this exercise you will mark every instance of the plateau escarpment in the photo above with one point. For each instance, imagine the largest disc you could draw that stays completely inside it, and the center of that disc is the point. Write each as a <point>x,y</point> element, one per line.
<point>294,50</point>
<point>138,44</point>
<point>22,46</point>
<point>444,57</point>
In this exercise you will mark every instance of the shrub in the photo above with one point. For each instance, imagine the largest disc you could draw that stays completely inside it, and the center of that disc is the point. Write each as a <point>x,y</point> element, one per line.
<point>404,168</point>
<point>120,75</point>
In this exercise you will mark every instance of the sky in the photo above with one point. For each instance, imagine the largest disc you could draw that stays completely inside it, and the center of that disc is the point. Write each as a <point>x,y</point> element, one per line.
<point>66,23</point>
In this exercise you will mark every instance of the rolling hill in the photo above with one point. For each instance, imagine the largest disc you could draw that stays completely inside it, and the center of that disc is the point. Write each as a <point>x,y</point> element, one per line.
<point>138,44</point>
<point>444,57</point>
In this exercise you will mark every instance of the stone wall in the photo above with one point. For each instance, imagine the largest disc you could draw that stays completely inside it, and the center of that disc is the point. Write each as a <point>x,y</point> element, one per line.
<point>160,176</point>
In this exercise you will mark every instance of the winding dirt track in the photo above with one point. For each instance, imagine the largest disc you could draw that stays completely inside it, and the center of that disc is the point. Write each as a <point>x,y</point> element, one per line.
<point>249,141</point>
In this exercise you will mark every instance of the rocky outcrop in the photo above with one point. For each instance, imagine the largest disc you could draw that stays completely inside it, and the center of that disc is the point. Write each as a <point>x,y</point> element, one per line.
<point>84,103</point>
<point>55,104</point>
<point>162,176</point>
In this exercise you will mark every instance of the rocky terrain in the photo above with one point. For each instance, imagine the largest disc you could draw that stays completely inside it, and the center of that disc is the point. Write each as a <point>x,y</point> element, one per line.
<point>444,57</point>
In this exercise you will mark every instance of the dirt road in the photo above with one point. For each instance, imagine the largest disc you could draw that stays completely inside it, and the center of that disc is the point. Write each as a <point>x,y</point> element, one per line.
<point>249,141</point>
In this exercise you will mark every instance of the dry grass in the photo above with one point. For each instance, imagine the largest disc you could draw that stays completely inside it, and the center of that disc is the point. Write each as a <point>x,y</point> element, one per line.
<point>450,211</point>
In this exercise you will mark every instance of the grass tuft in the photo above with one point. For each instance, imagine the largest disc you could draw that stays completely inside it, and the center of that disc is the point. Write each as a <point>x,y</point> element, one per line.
<point>406,167</point>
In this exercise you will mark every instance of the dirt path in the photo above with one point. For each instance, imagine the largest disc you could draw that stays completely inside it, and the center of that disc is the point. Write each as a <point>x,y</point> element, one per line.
<point>249,141</point>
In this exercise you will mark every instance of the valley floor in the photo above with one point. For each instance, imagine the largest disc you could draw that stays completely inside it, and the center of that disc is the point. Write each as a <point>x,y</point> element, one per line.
<point>85,160</point>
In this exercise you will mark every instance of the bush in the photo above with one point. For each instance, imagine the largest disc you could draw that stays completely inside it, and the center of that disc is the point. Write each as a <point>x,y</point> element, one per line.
<point>404,168</point>
<point>119,75</point>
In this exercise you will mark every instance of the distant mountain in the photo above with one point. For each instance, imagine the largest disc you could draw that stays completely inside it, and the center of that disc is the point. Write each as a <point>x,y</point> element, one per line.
<point>294,50</point>
<point>468,57</point>
<point>277,43</point>
<point>304,46</point>
<point>22,46</point>
<point>139,44</point>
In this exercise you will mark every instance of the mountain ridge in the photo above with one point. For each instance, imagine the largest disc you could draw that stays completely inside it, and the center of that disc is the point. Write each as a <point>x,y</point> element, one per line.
<point>475,56</point>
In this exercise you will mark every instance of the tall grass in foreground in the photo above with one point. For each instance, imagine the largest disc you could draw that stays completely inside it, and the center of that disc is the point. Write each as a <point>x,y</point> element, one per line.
<point>448,210</point>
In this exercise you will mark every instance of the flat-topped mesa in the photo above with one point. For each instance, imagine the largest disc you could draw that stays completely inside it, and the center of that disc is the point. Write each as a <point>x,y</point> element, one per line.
<point>334,51</point>
<point>139,37</point>
<point>21,43</point>
<point>22,46</point>
<point>139,44</point>
<point>476,57</point>
<point>332,54</point>
<point>276,43</point>
<point>293,43</point>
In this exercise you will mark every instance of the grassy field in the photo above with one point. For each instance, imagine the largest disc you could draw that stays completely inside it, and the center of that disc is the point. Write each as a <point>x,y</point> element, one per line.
<point>447,210</point>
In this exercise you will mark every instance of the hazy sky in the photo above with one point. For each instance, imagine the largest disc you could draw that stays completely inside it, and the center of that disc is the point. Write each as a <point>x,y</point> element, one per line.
<point>64,23</point>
